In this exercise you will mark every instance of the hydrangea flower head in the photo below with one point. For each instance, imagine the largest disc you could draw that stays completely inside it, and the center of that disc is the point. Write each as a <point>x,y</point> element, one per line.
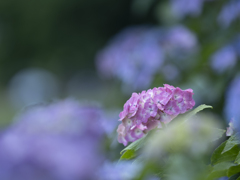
<point>147,110</point>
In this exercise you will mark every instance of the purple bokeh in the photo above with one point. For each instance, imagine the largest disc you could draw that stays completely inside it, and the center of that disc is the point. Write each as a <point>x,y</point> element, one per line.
<point>224,59</point>
<point>181,8</point>
<point>137,54</point>
<point>229,13</point>
<point>133,56</point>
<point>60,141</point>
<point>232,99</point>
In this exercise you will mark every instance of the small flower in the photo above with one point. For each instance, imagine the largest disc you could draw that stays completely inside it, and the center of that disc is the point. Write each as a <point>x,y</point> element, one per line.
<point>162,97</point>
<point>177,95</point>
<point>150,108</point>
<point>121,134</point>
<point>230,129</point>
<point>172,108</point>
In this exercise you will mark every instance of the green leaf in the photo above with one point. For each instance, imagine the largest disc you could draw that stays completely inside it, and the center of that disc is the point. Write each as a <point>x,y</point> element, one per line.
<point>237,160</point>
<point>232,141</point>
<point>135,145</point>
<point>218,133</point>
<point>218,156</point>
<point>219,170</point>
<point>233,170</point>
<point>127,155</point>
<point>238,178</point>
<point>234,177</point>
<point>189,114</point>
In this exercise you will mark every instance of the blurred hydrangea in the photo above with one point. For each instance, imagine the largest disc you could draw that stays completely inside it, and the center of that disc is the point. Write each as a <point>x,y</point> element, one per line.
<point>60,141</point>
<point>224,59</point>
<point>236,44</point>
<point>147,110</point>
<point>136,54</point>
<point>133,56</point>
<point>179,43</point>
<point>181,8</point>
<point>232,99</point>
<point>229,12</point>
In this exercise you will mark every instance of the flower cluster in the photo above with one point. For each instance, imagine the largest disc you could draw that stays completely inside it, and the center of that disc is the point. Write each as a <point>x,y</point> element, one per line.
<point>59,141</point>
<point>148,109</point>
<point>136,54</point>
<point>133,56</point>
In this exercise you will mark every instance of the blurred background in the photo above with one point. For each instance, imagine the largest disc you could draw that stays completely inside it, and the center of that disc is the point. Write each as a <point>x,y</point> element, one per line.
<point>101,51</point>
<point>105,50</point>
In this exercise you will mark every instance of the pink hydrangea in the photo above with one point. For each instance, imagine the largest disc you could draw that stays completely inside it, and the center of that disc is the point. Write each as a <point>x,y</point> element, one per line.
<point>149,109</point>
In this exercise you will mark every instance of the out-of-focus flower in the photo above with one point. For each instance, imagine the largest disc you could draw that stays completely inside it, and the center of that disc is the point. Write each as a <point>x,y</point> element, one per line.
<point>224,59</point>
<point>232,99</point>
<point>230,129</point>
<point>32,86</point>
<point>229,13</point>
<point>180,45</point>
<point>223,178</point>
<point>181,8</point>
<point>108,123</point>
<point>133,56</point>
<point>147,110</point>
<point>179,40</point>
<point>236,44</point>
<point>123,170</point>
<point>136,54</point>
<point>60,141</point>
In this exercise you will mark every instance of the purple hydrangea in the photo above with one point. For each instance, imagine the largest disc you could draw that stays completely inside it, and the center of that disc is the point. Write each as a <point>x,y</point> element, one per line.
<point>223,59</point>
<point>232,99</point>
<point>229,13</point>
<point>60,141</point>
<point>133,56</point>
<point>181,8</point>
<point>138,53</point>
<point>148,109</point>
<point>179,41</point>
